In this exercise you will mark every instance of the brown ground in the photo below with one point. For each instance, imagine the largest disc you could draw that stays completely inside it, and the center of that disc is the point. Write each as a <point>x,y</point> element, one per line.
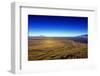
<point>52,48</point>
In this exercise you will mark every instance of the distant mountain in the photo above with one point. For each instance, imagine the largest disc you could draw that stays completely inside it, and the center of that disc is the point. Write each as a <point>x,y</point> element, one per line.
<point>83,36</point>
<point>38,36</point>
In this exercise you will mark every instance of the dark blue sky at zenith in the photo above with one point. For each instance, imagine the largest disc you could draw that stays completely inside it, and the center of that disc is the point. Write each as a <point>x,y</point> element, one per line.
<point>57,26</point>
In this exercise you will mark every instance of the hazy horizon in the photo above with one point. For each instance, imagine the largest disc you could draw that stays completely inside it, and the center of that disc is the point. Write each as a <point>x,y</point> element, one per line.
<point>57,36</point>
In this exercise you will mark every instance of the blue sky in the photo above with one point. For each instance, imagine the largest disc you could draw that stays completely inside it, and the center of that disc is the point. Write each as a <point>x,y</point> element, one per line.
<point>57,26</point>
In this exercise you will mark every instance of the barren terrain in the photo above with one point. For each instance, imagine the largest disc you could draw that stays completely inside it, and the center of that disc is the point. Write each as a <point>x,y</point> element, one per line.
<point>49,48</point>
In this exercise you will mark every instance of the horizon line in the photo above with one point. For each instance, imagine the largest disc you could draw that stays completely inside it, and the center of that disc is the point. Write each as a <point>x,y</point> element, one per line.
<point>56,36</point>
